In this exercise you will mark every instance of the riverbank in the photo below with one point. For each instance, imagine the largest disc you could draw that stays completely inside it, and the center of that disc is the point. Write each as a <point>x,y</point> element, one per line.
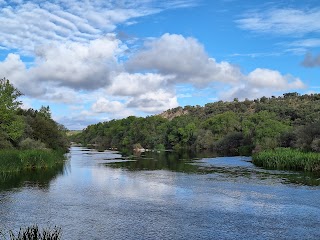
<point>288,159</point>
<point>18,160</point>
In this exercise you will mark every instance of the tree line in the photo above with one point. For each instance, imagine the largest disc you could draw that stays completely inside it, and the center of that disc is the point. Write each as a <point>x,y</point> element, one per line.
<point>229,128</point>
<point>27,129</point>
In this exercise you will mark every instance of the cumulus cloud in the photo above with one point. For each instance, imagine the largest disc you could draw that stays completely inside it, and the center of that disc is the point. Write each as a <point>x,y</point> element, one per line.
<point>80,66</point>
<point>282,21</point>
<point>266,78</point>
<point>183,58</point>
<point>310,61</point>
<point>126,84</point>
<point>15,70</point>
<point>262,82</point>
<point>186,61</point>
<point>154,102</point>
<point>103,105</point>
<point>74,65</point>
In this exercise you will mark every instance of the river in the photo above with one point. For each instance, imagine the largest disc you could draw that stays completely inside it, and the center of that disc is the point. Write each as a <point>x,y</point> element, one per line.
<point>103,195</point>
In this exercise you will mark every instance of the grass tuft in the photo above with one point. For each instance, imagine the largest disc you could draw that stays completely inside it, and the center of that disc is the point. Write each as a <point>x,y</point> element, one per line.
<point>34,233</point>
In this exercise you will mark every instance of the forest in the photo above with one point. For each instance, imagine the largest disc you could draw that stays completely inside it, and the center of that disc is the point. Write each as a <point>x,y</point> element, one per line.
<point>228,128</point>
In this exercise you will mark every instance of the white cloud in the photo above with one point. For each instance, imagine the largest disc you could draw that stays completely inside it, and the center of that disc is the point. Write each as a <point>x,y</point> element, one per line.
<point>186,60</point>
<point>266,78</point>
<point>103,105</point>
<point>306,43</point>
<point>154,102</point>
<point>262,82</point>
<point>183,58</point>
<point>28,24</point>
<point>61,95</point>
<point>81,66</point>
<point>15,70</point>
<point>73,65</point>
<point>282,21</point>
<point>126,84</point>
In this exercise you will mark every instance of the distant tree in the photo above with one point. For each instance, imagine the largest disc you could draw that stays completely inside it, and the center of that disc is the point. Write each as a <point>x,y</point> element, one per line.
<point>45,112</point>
<point>222,124</point>
<point>229,145</point>
<point>264,128</point>
<point>308,136</point>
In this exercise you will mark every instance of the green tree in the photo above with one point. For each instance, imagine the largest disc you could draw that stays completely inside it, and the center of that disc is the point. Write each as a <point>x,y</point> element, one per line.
<point>264,128</point>
<point>11,124</point>
<point>222,124</point>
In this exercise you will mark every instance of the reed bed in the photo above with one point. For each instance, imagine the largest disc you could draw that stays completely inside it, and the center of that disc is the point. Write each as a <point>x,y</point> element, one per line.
<point>288,159</point>
<point>17,160</point>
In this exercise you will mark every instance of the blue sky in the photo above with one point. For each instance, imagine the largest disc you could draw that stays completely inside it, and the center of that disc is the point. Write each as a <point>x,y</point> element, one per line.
<point>94,61</point>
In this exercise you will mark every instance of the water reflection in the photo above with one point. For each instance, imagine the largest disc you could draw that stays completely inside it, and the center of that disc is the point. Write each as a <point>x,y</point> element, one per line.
<point>107,195</point>
<point>220,168</point>
<point>172,161</point>
<point>39,178</point>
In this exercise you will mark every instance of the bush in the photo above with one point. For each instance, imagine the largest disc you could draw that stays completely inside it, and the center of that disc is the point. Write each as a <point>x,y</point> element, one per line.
<point>229,145</point>
<point>160,147</point>
<point>29,143</point>
<point>315,145</point>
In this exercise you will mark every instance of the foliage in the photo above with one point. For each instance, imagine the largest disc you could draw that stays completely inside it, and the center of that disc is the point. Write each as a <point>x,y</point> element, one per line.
<point>289,159</point>
<point>11,125</point>
<point>307,136</point>
<point>29,143</point>
<point>230,144</point>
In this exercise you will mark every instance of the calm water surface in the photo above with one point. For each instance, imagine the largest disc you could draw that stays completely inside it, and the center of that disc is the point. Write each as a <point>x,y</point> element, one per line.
<point>103,195</point>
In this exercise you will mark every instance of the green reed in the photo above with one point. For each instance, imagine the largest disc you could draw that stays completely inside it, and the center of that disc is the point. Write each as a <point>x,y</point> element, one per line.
<point>17,160</point>
<point>288,159</point>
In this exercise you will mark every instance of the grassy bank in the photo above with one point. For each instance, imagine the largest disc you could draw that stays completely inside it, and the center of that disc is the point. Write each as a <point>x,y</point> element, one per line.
<point>17,160</point>
<point>288,159</point>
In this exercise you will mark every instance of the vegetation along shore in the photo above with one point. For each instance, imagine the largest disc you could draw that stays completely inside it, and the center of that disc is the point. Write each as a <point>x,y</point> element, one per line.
<point>29,139</point>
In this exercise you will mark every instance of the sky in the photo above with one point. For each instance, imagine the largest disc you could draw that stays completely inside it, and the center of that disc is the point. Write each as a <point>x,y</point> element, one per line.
<point>94,61</point>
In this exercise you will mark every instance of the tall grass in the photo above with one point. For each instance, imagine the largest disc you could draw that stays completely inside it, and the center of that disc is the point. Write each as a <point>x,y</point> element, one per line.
<point>288,159</point>
<point>16,160</point>
<point>34,233</point>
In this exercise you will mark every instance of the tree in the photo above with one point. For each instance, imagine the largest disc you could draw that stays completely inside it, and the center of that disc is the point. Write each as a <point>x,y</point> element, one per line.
<point>222,124</point>
<point>264,129</point>
<point>11,124</point>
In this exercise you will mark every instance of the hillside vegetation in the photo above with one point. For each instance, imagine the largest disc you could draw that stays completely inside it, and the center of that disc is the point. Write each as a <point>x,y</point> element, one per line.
<point>229,128</point>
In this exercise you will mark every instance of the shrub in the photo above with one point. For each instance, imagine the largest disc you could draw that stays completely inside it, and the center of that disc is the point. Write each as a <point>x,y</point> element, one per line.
<point>29,143</point>
<point>315,145</point>
<point>160,147</point>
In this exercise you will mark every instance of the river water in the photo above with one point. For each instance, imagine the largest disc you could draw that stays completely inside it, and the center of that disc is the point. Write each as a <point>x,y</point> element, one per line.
<point>103,195</point>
